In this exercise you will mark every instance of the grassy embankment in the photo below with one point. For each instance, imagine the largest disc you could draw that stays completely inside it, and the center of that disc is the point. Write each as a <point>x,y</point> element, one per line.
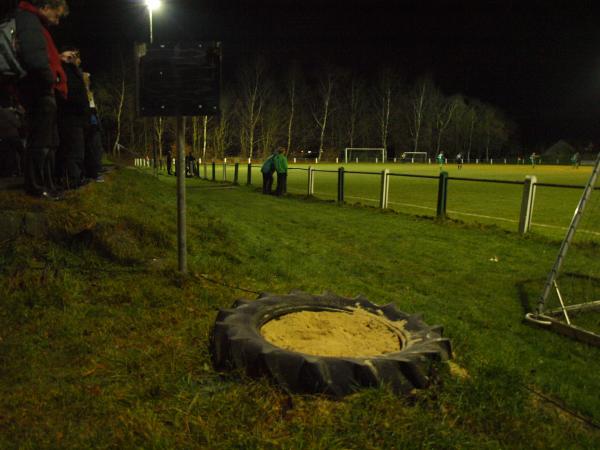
<point>103,345</point>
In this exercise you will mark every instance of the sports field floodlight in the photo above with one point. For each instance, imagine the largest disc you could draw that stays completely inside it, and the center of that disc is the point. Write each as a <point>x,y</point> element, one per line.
<point>152,5</point>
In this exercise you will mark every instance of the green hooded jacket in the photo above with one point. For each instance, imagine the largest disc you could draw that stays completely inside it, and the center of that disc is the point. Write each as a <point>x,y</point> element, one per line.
<point>281,163</point>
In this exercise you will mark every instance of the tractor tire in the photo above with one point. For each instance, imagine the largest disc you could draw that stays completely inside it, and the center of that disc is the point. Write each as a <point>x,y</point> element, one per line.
<point>237,344</point>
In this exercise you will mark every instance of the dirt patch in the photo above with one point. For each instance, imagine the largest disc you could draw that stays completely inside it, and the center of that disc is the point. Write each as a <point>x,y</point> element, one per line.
<point>354,333</point>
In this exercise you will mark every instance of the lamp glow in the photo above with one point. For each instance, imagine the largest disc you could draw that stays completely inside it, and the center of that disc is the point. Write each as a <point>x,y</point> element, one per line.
<point>153,5</point>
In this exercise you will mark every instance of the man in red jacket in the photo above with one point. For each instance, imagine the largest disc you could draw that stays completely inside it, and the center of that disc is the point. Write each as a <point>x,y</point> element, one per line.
<point>37,91</point>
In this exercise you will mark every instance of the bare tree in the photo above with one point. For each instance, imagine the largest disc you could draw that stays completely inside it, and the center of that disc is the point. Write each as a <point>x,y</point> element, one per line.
<point>355,105</point>
<point>444,109</point>
<point>251,102</point>
<point>322,109</point>
<point>417,110</point>
<point>291,97</point>
<point>383,99</point>
<point>159,131</point>
<point>119,113</point>
<point>221,133</point>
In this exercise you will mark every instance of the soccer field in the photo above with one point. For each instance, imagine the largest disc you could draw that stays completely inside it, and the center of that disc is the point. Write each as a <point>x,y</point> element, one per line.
<point>468,200</point>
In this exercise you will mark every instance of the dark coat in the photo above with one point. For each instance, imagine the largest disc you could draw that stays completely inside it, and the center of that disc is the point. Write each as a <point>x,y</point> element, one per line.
<point>76,103</point>
<point>33,53</point>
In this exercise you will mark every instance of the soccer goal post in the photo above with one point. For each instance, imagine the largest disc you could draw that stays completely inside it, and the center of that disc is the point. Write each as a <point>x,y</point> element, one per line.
<point>367,154</point>
<point>570,300</point>
<point>413,157</point>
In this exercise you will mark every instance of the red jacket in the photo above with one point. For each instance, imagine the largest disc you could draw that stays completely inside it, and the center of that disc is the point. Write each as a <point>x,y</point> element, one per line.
<point>60,83</point>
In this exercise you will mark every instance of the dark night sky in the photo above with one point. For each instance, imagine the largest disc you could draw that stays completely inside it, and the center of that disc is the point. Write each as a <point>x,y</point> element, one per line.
<point>538,62</point>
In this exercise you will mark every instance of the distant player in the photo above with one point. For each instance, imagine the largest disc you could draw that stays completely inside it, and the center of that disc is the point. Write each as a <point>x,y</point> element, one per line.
<point>576,160</point>
<point>440,159</point>
<point>533,157</point>
<point>459,160</point>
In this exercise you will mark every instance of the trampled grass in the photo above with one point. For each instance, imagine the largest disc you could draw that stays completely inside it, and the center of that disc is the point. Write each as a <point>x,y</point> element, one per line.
<point>103,344</point>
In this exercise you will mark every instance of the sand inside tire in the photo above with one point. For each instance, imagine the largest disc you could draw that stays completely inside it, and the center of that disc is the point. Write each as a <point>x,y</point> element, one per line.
<point>356,333</point>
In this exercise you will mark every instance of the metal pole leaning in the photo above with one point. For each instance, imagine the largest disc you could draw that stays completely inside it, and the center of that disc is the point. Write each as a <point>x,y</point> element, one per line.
<point>442,195</point>
<point>249,177</point>
<point>527,204</point>
<point>236,171</point>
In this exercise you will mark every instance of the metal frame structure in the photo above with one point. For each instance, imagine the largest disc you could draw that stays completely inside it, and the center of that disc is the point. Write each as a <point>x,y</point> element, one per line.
<point>548,317</point>
<point>381,149</point>
<point>412,154</point>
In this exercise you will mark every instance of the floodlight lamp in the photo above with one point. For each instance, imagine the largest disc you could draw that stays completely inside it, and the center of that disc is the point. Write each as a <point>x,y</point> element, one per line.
<point>153,5</point>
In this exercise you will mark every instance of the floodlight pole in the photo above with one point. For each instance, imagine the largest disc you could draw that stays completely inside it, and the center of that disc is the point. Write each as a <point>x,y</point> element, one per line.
<point>181,209</point>
<point>150,15</point>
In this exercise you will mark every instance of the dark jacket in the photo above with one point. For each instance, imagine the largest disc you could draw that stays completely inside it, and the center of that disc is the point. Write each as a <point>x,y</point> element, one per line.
<point>268,165</point>
<point>76,103</point>
<point>37,53</point>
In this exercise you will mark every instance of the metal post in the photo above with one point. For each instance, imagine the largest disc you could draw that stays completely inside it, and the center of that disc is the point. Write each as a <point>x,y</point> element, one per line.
<point>340,195</point>
<point>527,203</point>
<point>442,195</point>
<point>181,236</point>
<point>385,188</point>
<point>564,248</point>
<point>311,181</point>
<point>249,177</point>
<point>236,171</point>
<point>213,171</point>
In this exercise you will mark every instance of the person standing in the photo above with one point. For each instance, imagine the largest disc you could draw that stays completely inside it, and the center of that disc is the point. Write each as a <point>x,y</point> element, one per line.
<point>169,156</point>
<point>73,120</point>
<point>44,81</point>
<point>533,158</point>
<point>281,167</point>
<point>440,159</point>
<point>575,160</point>
<point>94,149</point>
<point>459,160</point>
<point>267,169</point>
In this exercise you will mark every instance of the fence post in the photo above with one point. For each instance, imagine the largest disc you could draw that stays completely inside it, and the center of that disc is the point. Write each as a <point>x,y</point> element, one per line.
<point>236,170</point>
<point>385,188</point>
<point>249,177</point>
<point>311,181</point>
<point>527,203</point>
<point>340,195</point>
<point>442,195</point>
<point>214,171</point>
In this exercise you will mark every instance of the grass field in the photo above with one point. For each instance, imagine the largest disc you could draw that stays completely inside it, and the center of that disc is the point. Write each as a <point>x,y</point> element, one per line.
<point>104,345</point>
<point>469,201</point>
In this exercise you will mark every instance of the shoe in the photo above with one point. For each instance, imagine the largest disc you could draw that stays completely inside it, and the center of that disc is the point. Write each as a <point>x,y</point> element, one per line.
<point>51,195</point>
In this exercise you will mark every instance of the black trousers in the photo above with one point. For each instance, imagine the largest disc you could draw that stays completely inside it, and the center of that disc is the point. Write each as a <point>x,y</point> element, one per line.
<point>267,183</point>
<point>281,183</point>
<point>42,140</point>
<point>93,152</point>
<point>72,149</point>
